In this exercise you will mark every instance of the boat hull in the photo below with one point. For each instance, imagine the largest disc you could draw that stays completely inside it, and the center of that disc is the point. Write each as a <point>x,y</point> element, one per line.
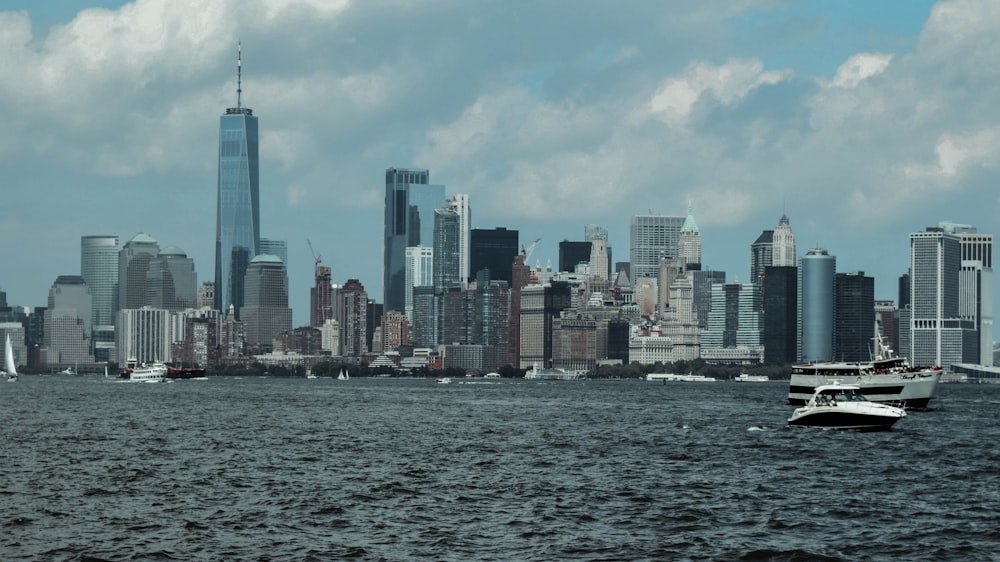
<point>907,390</point>
<point>833,419</point>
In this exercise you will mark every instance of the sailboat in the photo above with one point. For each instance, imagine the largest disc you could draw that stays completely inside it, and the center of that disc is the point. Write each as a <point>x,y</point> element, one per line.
<point>342,376</point>
<point>8,362</point>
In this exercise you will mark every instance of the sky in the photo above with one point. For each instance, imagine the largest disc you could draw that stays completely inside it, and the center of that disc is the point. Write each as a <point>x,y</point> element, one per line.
<point>861,121</point>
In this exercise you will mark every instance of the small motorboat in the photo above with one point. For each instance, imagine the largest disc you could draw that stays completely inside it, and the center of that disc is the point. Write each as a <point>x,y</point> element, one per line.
<point>844,406</point>
<point>444,380</point>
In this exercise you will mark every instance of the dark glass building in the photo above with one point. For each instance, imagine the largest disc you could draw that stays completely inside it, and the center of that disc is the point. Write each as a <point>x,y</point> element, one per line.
<point>780,287</point>
<point>495,251</point>
<point>573,253</point>
<point>853,316</point>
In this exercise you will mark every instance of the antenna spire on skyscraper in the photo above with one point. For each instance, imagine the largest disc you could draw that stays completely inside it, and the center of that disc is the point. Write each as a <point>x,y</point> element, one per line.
<point>239,75</point>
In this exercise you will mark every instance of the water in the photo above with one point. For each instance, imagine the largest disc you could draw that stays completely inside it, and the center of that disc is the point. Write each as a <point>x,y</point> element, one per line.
<point>272,469</point>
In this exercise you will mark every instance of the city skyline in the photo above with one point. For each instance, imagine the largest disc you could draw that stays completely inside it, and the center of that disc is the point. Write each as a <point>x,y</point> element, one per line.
<point>845,126</point>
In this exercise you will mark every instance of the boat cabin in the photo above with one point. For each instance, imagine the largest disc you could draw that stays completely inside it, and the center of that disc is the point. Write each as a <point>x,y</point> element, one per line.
<point>830,395</point>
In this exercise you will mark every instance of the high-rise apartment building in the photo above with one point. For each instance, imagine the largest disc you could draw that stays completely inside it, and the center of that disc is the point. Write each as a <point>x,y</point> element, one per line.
<point>460,204</point>
<point>419,273</point>
<point>266,314</point>
<point>321,297</point>
<point>816,301</point>
<point>447,244</point>
<point>237,223</point>
<point>410,201</point>
<point>354,328</point>
<point>652,237</point>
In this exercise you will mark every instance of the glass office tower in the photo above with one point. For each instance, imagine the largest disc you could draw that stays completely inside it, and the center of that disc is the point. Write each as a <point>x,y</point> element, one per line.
<point>410,202</point>
<point>99,268</point>
<point>237,230</point>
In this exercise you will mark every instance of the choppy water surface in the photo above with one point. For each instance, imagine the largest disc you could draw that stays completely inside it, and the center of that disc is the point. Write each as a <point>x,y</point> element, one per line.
<point>270,469</point>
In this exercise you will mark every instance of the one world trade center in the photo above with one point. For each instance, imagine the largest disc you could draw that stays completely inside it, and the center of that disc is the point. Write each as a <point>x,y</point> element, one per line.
<point>237,230</point>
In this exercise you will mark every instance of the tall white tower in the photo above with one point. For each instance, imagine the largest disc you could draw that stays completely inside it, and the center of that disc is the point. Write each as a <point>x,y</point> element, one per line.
<point>460,204</point>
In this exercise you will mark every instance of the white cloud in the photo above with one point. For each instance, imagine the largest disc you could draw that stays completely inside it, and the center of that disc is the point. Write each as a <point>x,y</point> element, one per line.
<point>859,68</point>
<point>674,100</point>
<point>957,153</point>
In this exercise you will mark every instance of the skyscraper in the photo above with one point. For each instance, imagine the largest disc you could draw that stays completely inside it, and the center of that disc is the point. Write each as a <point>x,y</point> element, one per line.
<point>780,309</point>
<point>419,273</point>
<point>275,248</point>
<point>761,254</point>
<point>321,297</point>
<point>460,204</point>
<point>355,325</point>
<point>938,333</point>
<point>99,268</point>
<point>975,298</point>
<point>410,201</point>
<point>494,250</point>
<point>815,337</point>
<point>783,244</point>
<point>447,262</point>
<point>266,313</point>
<point>237,226</point>
<point>572,253</point>
<point>689,243</point>
<point>853,316</point>
<point>133,270</point>
<point>68,323</point>
<point>171,281</point>
<point>652,237</point>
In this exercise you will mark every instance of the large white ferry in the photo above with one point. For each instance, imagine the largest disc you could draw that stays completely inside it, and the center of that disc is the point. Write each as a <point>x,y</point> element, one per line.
<point>886,379</point>
<point>147,372</point>
<point>538,373</point>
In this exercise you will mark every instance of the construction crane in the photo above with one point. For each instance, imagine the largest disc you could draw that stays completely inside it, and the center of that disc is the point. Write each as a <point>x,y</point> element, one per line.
<point>526,252</point>
<point>316,259</point>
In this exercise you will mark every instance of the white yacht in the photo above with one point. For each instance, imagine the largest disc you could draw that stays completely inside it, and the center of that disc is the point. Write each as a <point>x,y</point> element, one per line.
<point>743,377</point>
<point>670,377</point>
<point>844,406</point>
